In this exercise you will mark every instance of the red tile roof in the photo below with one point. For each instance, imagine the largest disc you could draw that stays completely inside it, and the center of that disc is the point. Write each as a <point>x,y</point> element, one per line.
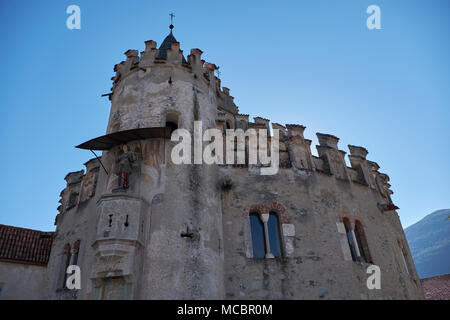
<point>437,288</point>
<point>25,245</point>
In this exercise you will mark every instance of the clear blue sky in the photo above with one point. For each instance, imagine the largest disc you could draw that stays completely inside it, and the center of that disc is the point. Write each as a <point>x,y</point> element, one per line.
<point>309,62</point>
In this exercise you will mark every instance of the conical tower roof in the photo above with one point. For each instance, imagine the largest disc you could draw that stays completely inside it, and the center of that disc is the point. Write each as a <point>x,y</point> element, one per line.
<point>166,44</point>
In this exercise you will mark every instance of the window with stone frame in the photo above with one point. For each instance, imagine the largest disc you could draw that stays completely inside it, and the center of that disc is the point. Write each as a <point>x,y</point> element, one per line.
<point>75,253</point>
<point>69,257</point>
<point>265,231</point>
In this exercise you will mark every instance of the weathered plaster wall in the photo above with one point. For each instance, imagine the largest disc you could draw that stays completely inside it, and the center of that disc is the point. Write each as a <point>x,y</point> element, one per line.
<point>314,264</point>
<point>22,281</point>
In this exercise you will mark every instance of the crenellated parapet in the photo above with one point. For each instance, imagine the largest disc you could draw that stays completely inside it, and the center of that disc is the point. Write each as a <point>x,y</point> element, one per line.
<point>262,121</point>
<point>294,149</point>
<point>175,54</point>
<point>72,191</point>
<point>333,157</point>
<point>196,62</point>
<point>80,187</point>
<point>149,55</point>
<point>242,121</point>
<point>170,54</point>
<point>89,182</point>
<point>298,147</point>
<point>295,152</point>
<point>360,164</point>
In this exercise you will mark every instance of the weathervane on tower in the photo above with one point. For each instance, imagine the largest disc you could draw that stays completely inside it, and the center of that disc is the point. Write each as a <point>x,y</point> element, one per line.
<point>171,21</point>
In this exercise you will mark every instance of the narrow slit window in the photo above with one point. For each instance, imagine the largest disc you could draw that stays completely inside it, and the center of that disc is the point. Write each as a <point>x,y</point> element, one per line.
<point>362,242</point>
<point>351,243</point>
<point>76,247</point>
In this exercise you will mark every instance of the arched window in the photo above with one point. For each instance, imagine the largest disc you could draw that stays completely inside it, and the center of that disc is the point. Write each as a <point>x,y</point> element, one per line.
<point>274,234</point>
<point>265,235</point>
<point>351,242</point>
<point>257,229</point>
<point>172,120</point>
<point>228,124</point>
<point>362,242</point>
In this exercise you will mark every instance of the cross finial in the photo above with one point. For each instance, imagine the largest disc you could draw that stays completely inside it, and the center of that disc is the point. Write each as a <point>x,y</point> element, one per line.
<point>171,21</point>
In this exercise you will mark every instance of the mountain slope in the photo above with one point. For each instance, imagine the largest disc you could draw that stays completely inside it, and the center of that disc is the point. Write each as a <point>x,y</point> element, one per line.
<point>429,241</point>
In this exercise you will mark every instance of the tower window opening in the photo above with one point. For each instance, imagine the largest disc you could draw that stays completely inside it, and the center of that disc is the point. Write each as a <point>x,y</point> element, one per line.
<point>173,126</point>
<point>75,253</point>
<point>362,242</point>
<point>172,121</point>
<point>351,242</point>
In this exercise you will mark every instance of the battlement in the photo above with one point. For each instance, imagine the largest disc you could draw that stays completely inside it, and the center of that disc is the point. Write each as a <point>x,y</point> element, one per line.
<point>157,218</point>
<point>170,55</point>
<point>295,153</point>
<point>294,149</point>
<point>80,186</point>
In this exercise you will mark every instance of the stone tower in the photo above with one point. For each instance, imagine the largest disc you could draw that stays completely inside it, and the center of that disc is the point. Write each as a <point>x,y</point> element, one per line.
<point>141,227</point>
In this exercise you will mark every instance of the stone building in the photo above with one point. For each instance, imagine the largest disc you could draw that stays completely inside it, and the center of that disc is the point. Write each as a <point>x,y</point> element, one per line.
<point>141,227</point>
<point>24,255</point>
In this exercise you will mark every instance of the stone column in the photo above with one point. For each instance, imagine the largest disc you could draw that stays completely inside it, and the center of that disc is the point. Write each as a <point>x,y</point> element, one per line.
<point>265,219</point>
